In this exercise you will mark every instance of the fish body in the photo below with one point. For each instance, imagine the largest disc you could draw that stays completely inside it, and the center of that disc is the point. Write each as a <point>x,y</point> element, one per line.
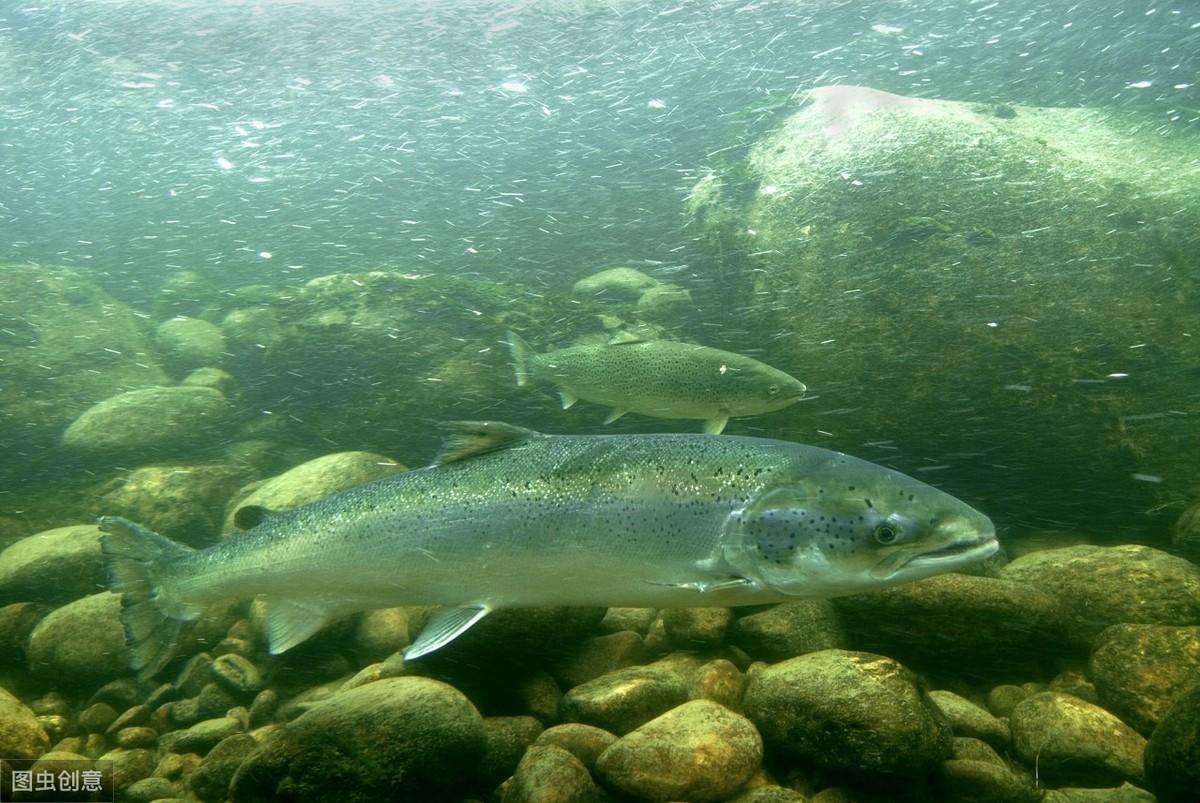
<point>659,378</point>
<point>508,517</point>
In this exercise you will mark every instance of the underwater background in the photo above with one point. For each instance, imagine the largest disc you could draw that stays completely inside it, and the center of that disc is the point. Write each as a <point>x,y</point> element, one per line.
<point>241,237</point>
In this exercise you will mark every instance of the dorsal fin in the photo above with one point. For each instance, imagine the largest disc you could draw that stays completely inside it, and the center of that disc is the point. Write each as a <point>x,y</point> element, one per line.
<point>625,338</point>
<point>473,438</point>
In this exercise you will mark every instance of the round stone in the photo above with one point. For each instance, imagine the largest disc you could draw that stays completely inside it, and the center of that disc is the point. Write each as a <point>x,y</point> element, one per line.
<point>699,751</point>
<point>1072,741</point>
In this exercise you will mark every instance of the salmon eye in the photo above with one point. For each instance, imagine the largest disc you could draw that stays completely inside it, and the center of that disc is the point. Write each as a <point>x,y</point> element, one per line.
<point>773,390</point>
<point>886,534</point>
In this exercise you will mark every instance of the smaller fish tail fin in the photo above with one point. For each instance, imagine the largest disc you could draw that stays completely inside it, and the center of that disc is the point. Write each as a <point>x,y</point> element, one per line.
<point>522,353</point>
<point>135,558</point>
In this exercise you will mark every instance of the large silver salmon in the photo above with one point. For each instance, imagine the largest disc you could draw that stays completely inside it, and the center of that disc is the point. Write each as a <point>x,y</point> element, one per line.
<point>510,517</point>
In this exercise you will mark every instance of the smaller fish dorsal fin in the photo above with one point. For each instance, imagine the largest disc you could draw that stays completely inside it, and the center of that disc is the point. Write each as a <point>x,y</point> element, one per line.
<point>625,339</point>
<point>472,438</point>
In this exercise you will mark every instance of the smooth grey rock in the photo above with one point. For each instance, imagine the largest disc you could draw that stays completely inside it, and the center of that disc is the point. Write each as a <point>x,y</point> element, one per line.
<point>182,501</point>
<point>399,738</point>
<point>162,420</point>
<point>1072,741</point>
<point>1140,671</point>
<point>381,632</point>
<point>17,621</point>
<point>1173,754</point>
<point>506,739</point>
<point>81,642</point>
<point>97,717</point>
<point>20,734</point>
<point>53,567</point>
<point>189,343</point>
<point>1105,585</point>
<point>848,711</point>
<point>665,304</point>
<point>622,700</point>
<point>699,751</point>
<point>985,782</point>
<point>789,629</point>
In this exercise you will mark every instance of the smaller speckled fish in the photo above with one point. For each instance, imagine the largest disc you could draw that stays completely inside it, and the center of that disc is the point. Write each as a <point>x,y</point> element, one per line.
<point>508,517</point>
<point>659,378</point>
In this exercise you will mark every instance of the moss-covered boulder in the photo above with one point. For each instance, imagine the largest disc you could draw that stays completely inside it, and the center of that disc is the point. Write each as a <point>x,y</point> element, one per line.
<point>54,566</point>
<point>151,422</point>
<point>1173,754</point>
<point>189,343</point>
<point>67,345</point>
<point>1140,671</point>
<point>1000,294</point>
<point>399,738</point>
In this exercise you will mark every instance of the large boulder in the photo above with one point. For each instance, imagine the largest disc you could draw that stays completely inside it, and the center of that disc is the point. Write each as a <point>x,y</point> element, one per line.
<point>962,272</point>
<point>189,343</point>
<point>406,738</point>
<point>20,734</point>
<point>81,643</point>
<point>67,345</point>
<point>1070,740</point>
<point>156,422</point>
<point>53,567</point>
<point>698,752</point>
<point>1100,586</point>
<point>1140,671</point>
<point>1173,754</point>
<point>848,711</point>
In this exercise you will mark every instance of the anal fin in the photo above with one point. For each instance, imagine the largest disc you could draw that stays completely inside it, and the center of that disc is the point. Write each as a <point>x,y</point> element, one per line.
<point>715,426</point>
<point>445,626</point>
<point>568,398</point>
<point>614,414</point>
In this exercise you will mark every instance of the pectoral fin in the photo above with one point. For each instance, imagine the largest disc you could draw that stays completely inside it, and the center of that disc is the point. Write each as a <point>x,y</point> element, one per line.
<point>715,426</point>
<point>568,398</point>
<point>291,621</point>
<point>614,414</point>
<point>444,627</point>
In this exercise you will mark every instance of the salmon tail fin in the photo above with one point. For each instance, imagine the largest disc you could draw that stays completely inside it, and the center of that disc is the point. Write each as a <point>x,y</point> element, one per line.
<point>152,621</point>
<point>522,352</point>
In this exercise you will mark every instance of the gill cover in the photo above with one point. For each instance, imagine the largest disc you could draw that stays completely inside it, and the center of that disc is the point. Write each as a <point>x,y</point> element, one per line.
<point>769,542</point>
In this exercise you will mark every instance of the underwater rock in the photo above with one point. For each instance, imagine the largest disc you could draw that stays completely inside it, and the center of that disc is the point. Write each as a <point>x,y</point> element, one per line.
<point>161,421</point>
<point>599,655</point>
<point>1070,741</point>
<point>861,201</point>
<point>699,751</point>
<point>311,481</point>
<point>210,781</point>
<point>17,621</point>
<point>80,643</point>
<point>505,742</point>
<point>129,766</point>
<point>1185,534</point>
<point>150,789</point>
<point>1173,753</point>
<point>622,700</point>
<point>404,738</point>
<point>985,625</point>
<point>237,674</point>
<point>201,737</point>
<point>67,345</point>
<point>968,719</point>
<point>636,619</point>
<point>769,794</point>
<point>666,305</point>
<point>696,628</point>
<point>585,742</point>
<point>53,567</point>
<point>1125,793</point>
<point>549,774</point>
<point>617,284</point>
<point>984,782</point>
<point>1101,586</point>
<point>848,711</point>
<point>213,378</point>
<point>1140,671</point>
<point>189,343</point>
<point>20,734</point>
<point>381,632</point>
<point>789,629</point>
<point>181,501</point>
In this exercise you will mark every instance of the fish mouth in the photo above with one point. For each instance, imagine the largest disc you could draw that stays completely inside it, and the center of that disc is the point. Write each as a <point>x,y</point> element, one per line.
<point>958,553</point>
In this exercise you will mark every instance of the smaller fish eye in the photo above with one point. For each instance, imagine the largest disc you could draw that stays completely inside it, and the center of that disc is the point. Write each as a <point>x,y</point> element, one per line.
<point>886,534</point>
